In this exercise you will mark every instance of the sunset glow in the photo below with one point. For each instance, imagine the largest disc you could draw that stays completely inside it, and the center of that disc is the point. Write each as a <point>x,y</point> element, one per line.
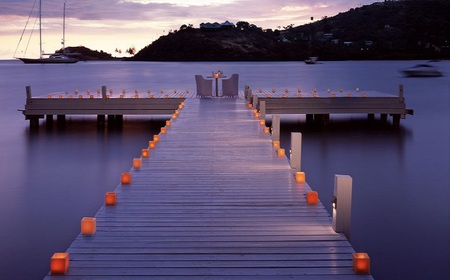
<point>111,24</point>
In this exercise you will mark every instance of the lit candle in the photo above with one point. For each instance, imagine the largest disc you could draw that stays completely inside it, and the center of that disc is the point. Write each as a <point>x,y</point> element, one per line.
<point>137,162</point>
<point>156,138</point>
<point>280,153</point>
<point>361,263</point>
<point>88,225</point>
<point>168,123</point>
<point>262,122</point>
<point>126,178</point>
<point>152,144</point>
<point>110,198</point>
<point>163,130</point>
<point>300,177</point>
<point>59,263</point>
<point>266,130</point>
<point>312,197</point>
<point>276,144</point>
<point>145,153</point>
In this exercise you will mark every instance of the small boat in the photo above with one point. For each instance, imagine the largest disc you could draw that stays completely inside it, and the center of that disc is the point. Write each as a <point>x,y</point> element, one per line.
<point>311,60</point>
<point>63,57</point>
<point>422,70</point>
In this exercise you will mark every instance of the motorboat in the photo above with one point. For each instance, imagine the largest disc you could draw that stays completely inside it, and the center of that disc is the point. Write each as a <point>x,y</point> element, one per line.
<point>422,70</point>
<point>311,60</point>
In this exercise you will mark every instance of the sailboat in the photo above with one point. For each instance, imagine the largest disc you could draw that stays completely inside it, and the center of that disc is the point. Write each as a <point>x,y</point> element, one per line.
<point>54,57</point>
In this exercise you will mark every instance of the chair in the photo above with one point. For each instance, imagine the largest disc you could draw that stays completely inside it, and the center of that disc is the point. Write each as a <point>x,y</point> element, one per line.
<point>230,87</point>
<point>204,86</point>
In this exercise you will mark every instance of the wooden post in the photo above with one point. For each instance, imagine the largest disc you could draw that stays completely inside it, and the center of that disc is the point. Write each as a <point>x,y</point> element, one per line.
<point>296,151</point>
<point>28,90</point>
<point>275,127</point>
<point>61,119</point>
<point>104,92</point>
<point>255,101</point>
<point>49,120</point>
<point>262,110</point>
<point>342,204</point>
<point>100,120</point>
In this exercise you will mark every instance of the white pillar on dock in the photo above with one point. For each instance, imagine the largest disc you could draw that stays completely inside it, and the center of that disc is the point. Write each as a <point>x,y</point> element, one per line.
<point>275,127</point>
<point>342,204</point>
<point>296,151</point>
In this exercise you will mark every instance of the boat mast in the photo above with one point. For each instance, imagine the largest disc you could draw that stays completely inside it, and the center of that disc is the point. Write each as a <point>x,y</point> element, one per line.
<point>64,29</point>
<point>40,28</point>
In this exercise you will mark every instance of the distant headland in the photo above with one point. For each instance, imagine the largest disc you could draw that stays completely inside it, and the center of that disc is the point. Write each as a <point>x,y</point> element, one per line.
<point>381,31</point>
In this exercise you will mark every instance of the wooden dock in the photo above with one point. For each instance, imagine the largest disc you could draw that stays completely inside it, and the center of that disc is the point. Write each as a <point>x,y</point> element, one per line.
<point>318,105</point>
<point>212,201</point>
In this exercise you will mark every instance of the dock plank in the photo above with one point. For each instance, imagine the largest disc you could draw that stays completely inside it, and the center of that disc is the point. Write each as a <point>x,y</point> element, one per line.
<point>212,201</point>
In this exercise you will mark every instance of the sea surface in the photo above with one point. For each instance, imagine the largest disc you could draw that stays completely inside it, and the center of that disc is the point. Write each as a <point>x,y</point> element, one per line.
<point>52,178</point>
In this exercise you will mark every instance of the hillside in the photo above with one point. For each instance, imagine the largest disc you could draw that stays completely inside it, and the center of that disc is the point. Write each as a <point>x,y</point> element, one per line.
<point>385,30</point>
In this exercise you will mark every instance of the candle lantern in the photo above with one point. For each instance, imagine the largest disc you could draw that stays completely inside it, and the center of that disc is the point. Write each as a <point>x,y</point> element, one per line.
<point>312,197</point>
<point>163,130</point>
<point>145,153</point>
<point>168,123</point>
<point>268,95</point>
<point>88,225</point>
<point>300,177</point>
<point>266,130</point>
<point>137,162</point>
<point>262,122</point>
<point>276,144</point>
<point>59,263</point>
<point>174,116</point>
<point>156,138</point>
<point>280,153</point>
<point>126,178</point>
<point>110,198</point>
<point>152,144</point>
<point>361,263</point>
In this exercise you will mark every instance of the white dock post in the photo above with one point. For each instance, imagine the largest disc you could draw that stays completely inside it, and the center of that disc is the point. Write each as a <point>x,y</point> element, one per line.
<point>342,204</point>
<point>262,110</point>
<point>275,127</point>
<point>296,151</point>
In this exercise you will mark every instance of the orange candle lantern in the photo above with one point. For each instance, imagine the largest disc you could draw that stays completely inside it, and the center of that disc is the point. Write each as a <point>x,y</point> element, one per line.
<point>333,95</point>
<point>364,95</point>
<point>145,153</point>
<point>137,162</point>
<point>126,178</point>
<point>312,197</point>
<point>152,96</point>
<point>280,153</point>
<point>121,96</point>
<point>91,96</point>
<point>266,130</point>
<point>276,144</point>
<point>156,138</point>
<point>168,123</point>
<point>361,263</point>
<point>166,96</point>
<point>110,198</point>
<point>300,177</point>
<point>49,96</point>
<point>268,95</point>
<point>349,95</point>
<point>163,130</point>
<point>59,263</point>
<point>299,95</point>
<point>283,95</point>
<point>70,96</point>
<point>88,225</point>
<point>136,96</point>
<point>262,122</point>
<point>151,144</point>
<point>314,95</point>
<point>174,116</point>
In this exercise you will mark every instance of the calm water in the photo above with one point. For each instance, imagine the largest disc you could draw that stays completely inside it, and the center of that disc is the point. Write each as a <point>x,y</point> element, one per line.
<point>401,183</point>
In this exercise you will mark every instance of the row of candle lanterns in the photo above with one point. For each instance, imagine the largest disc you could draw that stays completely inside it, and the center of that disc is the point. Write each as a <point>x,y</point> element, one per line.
<point>59,262</point>
<point>299,90</point>
<point>361,261</point>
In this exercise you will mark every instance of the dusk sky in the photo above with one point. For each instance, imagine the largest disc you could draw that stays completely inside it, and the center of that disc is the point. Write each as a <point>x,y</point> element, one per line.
<point>120,24</point>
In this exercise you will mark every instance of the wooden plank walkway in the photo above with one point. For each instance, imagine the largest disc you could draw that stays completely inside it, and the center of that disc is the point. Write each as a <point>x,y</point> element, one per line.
<point>213,201</point>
